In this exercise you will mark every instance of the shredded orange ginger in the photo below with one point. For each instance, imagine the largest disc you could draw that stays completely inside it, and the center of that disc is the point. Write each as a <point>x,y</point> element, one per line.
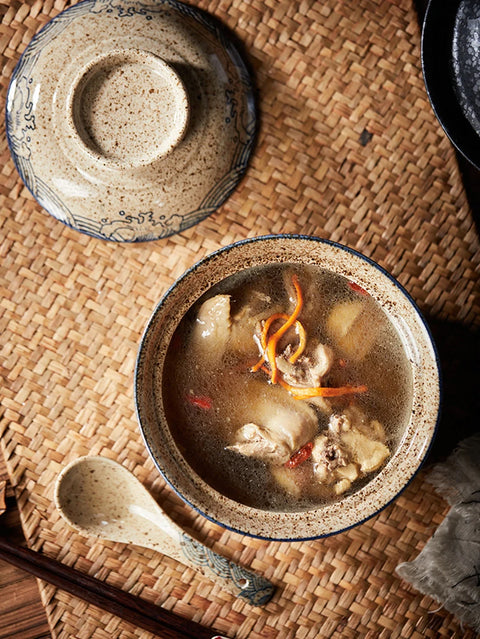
<point>299,392</point>
<point>321,391</point>
<point>263,339</point>
<point>269,346</point>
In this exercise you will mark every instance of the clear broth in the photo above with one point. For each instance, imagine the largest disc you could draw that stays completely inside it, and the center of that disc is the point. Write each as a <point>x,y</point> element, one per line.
<point>202,433</point>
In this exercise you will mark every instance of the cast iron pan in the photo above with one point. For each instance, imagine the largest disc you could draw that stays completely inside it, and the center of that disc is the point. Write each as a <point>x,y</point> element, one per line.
<point>451,70</point>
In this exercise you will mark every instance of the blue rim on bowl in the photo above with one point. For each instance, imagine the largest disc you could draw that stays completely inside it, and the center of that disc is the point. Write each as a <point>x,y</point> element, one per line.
<point>350,510</point>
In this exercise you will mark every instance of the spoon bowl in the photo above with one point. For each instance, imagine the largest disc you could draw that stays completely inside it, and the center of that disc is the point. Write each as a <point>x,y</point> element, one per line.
<point>99,497</point>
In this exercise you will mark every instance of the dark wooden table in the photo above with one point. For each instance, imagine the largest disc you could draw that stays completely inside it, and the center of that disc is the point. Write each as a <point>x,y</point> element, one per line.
<point>22,615</point>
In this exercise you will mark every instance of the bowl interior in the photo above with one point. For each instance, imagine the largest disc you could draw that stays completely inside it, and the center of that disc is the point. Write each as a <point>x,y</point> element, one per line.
<point>353,508</point>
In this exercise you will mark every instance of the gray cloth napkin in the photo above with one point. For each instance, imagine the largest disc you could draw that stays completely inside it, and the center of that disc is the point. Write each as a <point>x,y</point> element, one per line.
<point>448,568</point>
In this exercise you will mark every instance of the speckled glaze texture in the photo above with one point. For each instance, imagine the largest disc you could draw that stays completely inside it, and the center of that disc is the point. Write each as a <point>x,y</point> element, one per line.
<point>353,508</point>
<point>99,497</point>
<point>126,83</point>
<point>131,121</point>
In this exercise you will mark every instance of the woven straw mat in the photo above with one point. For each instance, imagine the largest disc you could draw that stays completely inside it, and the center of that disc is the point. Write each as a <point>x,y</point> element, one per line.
<point>348,149</point>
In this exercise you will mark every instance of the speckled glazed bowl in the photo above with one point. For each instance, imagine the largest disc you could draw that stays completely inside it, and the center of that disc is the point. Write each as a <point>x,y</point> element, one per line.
<point>352,508</point>
<point>129,120</point>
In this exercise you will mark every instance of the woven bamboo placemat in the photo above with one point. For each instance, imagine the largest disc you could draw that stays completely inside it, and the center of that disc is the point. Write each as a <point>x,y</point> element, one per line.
<point>348,149</point>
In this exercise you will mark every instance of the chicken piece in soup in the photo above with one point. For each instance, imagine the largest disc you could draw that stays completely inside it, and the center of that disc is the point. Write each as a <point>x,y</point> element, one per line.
<point>287,387</point>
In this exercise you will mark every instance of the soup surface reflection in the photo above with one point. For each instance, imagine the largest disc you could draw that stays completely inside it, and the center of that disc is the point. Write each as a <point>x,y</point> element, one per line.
<point>286,387</point>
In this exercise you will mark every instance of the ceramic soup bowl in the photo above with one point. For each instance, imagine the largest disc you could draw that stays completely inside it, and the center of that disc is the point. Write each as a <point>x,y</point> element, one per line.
<point>363,497</point>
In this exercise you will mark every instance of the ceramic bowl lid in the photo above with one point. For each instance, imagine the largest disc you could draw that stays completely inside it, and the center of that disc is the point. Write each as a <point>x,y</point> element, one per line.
<point>131,121</point>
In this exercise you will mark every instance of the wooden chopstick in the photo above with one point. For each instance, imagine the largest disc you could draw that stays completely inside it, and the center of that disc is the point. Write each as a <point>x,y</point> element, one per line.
<point>131,608</point>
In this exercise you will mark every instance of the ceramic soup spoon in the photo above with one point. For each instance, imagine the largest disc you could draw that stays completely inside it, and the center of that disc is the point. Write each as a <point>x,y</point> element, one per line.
<point>97,496</point>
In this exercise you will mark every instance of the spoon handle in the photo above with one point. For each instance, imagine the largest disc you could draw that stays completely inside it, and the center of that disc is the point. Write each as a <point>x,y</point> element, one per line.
<point>255,589</point>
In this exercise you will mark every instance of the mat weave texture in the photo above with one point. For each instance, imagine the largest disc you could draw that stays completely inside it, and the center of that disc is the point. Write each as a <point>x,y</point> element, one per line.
<point>348,149</point>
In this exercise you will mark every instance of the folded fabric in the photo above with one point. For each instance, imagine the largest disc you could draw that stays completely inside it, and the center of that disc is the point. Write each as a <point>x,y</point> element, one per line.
<point>448,568</point>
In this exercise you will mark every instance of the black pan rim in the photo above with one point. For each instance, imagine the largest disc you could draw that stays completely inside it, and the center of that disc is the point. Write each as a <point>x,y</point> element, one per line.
<point>436,55</point>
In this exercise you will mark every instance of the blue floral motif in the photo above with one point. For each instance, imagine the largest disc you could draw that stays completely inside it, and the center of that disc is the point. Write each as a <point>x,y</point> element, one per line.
<point>24,120</point>
<point>20,123</point>
<point>130,228</point>
<point>256,589</point>
<point>99,6</point>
